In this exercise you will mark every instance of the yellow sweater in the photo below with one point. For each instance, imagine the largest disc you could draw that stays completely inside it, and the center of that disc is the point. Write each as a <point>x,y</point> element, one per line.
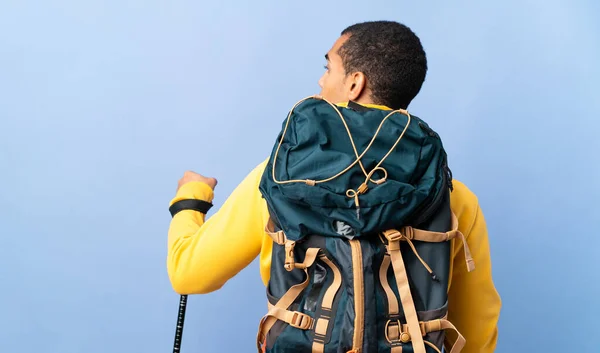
<point>203,255</point>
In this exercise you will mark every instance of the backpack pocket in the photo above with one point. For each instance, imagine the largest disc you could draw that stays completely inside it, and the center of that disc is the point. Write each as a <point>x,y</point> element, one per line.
<point>306,324</point>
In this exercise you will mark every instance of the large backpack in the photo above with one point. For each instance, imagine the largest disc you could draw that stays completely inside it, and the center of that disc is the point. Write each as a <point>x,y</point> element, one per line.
<point>361,224</point>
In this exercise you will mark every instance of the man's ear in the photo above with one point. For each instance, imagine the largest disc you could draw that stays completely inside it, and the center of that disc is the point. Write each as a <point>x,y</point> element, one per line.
<point>358,85</point>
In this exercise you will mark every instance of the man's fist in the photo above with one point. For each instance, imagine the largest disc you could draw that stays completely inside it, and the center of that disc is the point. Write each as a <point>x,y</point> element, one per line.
<point>191,176</point>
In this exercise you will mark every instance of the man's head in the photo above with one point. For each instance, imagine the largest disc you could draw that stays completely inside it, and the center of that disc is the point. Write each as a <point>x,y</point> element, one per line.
<point>379,62</point>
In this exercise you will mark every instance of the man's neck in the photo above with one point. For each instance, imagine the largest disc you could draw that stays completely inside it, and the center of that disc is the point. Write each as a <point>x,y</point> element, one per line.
<point>365,104</point>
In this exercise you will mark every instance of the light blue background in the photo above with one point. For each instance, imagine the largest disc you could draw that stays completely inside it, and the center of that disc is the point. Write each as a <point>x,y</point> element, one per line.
<point>104,104</point>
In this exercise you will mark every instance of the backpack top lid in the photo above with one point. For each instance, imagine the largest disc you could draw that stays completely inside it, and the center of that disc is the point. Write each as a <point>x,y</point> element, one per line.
<point>315,182</point>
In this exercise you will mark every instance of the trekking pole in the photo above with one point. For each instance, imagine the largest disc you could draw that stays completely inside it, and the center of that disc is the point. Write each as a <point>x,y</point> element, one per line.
<point>180,320</point>
<point>203,207</point>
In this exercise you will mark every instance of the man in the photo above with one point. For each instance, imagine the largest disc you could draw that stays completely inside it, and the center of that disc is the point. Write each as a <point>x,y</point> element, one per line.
<point>380,65</point>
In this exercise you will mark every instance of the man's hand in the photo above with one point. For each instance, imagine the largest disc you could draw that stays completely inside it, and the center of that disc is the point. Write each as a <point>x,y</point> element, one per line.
<point>190,176</point>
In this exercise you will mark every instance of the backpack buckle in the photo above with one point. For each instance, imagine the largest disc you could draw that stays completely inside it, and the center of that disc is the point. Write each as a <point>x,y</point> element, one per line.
<point>393,332</point>
<point>408,232</point>
<point>280,237</point>
<point>290,261</point>
<point>300,320</point>
<point>393,235</point>
<point>423,328</point>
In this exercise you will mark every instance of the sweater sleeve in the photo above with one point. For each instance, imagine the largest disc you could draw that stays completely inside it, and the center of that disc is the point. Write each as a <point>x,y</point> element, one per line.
<point>203,255</point>
<point>474,304</point>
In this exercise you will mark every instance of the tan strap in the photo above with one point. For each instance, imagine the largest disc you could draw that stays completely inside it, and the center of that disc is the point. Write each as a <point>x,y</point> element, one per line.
<point>335,284</point>
<point>318,347</point>
<point>433,346</point>
<point>278,237</point>
<point>395,235</point>
<point>409,233</point>
<point>432,237</point>
<point>322,323</point>
<point>460,342</point>
<point>321,326</point>
<point>309,259</point>
<point>408,304</point>
<point>392,300</point>
<point>468,257</point>
<point>359,299</point>
<point>395,331</point>
<point>267,322</point>
<point>293,318</point>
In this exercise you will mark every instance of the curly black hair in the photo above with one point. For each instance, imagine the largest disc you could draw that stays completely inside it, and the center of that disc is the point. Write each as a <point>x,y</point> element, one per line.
<point>392,58</point>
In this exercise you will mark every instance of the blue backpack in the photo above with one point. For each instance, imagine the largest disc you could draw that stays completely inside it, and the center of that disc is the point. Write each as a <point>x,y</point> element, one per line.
<point>360,217</point>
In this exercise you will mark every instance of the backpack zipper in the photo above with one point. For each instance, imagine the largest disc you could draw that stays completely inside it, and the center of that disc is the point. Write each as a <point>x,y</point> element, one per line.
<point>359,305</point>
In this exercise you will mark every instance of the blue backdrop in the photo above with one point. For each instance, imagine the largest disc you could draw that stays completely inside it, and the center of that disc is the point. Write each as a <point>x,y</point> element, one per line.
<point>104,104</point>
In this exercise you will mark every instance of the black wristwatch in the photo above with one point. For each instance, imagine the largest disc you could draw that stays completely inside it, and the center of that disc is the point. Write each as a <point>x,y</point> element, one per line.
<point>190,204</point>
